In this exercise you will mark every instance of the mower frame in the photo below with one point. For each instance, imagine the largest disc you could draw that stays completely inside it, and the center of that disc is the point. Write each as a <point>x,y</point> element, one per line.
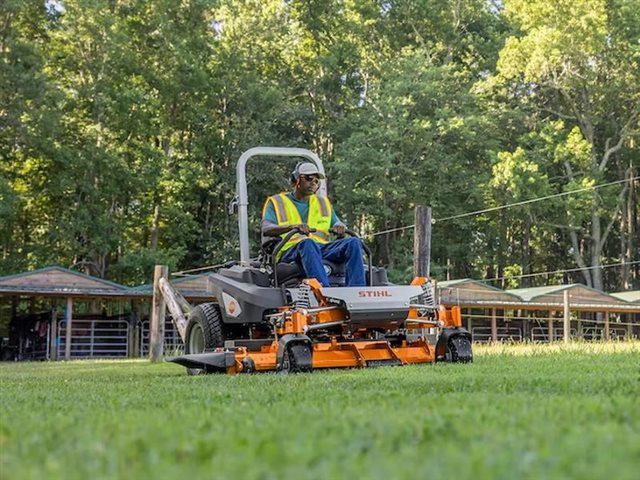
<point>307,326</point>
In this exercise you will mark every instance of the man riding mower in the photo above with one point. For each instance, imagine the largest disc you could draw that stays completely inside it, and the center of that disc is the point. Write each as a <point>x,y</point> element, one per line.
<point>307,302</point>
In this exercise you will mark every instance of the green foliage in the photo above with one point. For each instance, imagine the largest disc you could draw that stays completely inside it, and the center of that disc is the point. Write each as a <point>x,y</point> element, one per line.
<point>419,139</point>
<point>120,125</point>
<point>563,63</point>
<point>558,34</point>
<point>516,178</point>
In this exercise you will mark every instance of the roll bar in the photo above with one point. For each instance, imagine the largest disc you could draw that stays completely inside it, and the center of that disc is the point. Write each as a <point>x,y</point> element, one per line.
<point>242,200</point>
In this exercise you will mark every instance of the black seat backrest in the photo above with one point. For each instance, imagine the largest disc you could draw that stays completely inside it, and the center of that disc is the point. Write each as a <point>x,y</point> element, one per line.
<point>290,274</point>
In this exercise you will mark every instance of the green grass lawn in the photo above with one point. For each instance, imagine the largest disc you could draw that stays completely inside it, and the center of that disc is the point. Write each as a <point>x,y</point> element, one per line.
<point>517,412</point>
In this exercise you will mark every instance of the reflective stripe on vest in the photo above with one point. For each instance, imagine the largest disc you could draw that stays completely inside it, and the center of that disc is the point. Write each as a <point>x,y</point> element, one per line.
<point>320,212</point>
<point>324,209</point>
<point>281,211</point>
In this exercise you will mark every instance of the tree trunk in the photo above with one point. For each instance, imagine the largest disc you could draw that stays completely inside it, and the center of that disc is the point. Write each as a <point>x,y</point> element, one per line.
<point>384,249</point>
<point>634,228</point>
<point>525,265</point>
<point>502,247</point>
<point>155,227</point>
<point>625,239</point>
<point>596,246</point>
<point>628,228</point>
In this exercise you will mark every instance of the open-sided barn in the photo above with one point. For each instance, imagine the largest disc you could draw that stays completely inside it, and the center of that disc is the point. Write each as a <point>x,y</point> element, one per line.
<point>57,313</point>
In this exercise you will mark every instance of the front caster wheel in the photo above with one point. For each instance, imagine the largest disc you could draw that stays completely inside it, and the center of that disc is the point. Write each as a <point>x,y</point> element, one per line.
<point>459,350</point>
<point>297,358</point>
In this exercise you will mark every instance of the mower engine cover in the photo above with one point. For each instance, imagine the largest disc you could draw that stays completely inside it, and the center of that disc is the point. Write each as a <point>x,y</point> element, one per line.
<point>374,306</point>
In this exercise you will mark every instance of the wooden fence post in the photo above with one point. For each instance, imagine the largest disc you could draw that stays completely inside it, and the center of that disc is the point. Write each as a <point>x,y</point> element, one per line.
<point>422,242</point>
<point>53,334</point>
<point>607,331</point>
<point>158,309</point>
<point>494,326</point>
<point>69,331</point>
<point>567,318</point>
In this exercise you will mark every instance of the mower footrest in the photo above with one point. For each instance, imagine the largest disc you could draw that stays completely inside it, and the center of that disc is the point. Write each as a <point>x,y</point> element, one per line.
<point>207,361</point>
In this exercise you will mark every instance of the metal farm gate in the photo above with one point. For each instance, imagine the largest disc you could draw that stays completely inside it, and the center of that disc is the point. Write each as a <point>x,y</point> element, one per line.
<point>99,338</point>
<point>541,334</point>
<point>173,344</point>
<point>597,333</point>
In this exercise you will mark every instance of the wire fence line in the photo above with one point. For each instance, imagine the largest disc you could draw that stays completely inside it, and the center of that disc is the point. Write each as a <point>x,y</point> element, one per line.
<point>466,289</point>
<point>566,270</point>
<point>186,273</point>
<point>469,214</point>
<point>509,205</point>
<point>539,199</point>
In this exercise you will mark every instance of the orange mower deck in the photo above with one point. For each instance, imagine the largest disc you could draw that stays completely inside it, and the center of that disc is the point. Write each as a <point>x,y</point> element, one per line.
<point>292,350</point>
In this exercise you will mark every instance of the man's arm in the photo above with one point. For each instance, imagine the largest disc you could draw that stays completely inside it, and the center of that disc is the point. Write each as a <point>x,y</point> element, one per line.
<point>273,230</point>
<point>337,226</point>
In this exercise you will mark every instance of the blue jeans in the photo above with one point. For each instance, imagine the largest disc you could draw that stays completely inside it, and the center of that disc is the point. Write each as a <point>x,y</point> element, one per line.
<point>346,250</point>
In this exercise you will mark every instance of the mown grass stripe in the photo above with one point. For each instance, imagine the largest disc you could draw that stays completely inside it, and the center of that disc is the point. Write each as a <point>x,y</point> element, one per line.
<point>531,411</point>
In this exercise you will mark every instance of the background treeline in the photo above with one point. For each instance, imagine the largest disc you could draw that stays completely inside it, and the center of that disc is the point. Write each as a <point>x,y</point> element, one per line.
<point>121,122</point>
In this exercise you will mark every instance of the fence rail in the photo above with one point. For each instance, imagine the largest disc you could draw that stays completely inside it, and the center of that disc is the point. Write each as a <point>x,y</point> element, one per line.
<point>541,334</point>
<point>483,334</point>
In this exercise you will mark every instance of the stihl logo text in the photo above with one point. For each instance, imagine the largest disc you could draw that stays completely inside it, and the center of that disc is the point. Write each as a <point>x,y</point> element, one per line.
<point>374,293</point>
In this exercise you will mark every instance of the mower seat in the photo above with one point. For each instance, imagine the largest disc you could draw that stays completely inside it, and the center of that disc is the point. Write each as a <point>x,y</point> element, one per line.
<point>290,274</point>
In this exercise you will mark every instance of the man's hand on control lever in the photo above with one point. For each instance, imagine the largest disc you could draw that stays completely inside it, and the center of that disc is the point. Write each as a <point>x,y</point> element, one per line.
<point>339,229</point>
<point>304,229</point>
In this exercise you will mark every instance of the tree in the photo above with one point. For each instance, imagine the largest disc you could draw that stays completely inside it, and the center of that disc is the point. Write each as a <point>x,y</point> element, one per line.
<point>28,121</point>
<point>420,139</point>
<point>517,178</point>
<point>420,135</point>
<point>578,61</point>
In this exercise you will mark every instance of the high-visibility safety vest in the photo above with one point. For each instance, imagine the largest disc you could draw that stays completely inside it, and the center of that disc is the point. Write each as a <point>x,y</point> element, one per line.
<point>320,212</point>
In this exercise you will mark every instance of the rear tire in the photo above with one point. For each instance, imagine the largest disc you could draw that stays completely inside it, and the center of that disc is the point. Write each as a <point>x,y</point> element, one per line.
<point>205,332</point>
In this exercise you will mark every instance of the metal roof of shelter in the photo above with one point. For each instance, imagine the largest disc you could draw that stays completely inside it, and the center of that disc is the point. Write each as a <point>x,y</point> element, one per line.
<point>468,292</point>
<point>580,296</point>
<point>56,281</point>
<point>632,296</point>
<point>471,293</point>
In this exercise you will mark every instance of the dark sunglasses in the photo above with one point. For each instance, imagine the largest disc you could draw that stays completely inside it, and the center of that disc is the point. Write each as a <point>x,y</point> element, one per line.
<point>310,178</point>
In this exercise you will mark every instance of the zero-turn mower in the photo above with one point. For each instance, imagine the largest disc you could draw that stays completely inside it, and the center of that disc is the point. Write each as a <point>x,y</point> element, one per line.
<point>268,317</point>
